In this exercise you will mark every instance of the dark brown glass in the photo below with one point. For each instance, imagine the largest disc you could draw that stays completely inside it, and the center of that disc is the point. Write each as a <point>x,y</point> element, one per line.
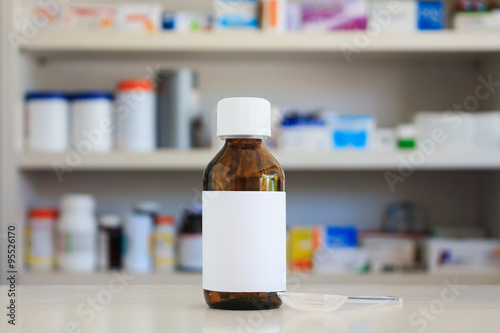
<point>243,165</point>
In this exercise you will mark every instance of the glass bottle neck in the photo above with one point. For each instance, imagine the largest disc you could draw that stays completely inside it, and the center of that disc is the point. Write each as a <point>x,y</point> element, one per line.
<point>249,137</point>
<point>244,143</point>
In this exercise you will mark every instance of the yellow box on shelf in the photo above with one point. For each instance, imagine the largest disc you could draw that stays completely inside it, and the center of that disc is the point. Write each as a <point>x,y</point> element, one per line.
<point>302,242</point>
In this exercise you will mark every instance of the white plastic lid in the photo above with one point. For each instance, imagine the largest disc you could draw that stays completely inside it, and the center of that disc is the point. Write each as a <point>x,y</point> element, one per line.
<point>243,116</point>
<point>406,131</point>
<point>148,207</point>
<point>110,221</point>
<point>78,201</point>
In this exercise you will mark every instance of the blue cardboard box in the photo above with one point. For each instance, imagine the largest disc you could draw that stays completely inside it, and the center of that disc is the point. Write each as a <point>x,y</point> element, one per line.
<point>431,15</point>
<point>340,236</point>
<point>236,14</point>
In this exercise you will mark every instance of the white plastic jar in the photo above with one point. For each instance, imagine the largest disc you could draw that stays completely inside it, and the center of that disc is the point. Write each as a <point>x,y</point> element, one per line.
<point>92,122</point>
<point>138,231</point>
<point>47,121</point>
<point>41,226</point>
<point>165,243</point>
<point>135,116</point>
<point>77,234</point>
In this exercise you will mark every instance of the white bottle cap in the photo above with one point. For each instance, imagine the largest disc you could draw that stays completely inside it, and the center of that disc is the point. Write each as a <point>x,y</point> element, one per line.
<point>110,221</point>
<point>78,201</point>
<point>150,207</point>
<point>243,116</point>
<point>406,131</point>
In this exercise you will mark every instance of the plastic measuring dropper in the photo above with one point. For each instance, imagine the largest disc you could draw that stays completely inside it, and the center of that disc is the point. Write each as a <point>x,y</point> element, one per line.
<point>330,303</point>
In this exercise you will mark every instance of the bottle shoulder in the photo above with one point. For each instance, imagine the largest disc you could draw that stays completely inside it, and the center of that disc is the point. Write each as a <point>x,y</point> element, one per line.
<point>244,170</point>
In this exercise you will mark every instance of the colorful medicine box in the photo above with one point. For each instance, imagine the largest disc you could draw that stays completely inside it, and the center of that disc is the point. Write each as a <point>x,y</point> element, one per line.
<point>474,21</point>
<point>185,21</point>
<point>431,15</point>
<point>462,256</point>
<point>138,17</point>
<point>339,236</point>
<point>351,131</point>
<point>338,252</point>
<point>236,14</point>
<point>300,132</point>
<point>329,15</point>
<point>50,16</point>
<point>90,17</point>
<point>403,19</point>
<point>302,242</point>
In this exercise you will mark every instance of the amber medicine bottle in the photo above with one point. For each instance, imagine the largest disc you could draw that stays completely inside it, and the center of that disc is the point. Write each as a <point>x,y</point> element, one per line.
<point>244,207</point>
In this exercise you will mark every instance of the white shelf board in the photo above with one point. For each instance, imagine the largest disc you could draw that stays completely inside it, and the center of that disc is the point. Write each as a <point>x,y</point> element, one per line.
<point>197,159</point>
<point>442,41</point>
<point>176,278</point>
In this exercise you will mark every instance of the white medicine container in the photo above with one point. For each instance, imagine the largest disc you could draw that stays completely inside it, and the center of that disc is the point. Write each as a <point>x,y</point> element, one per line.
<point>47,115</point>
<point>135,116</point>
<point>77,234</point>
<point>92,122</point>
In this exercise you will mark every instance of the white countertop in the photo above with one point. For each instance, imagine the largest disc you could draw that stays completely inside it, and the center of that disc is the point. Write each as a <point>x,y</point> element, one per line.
<point>123,307</point>
<point>176,278</point>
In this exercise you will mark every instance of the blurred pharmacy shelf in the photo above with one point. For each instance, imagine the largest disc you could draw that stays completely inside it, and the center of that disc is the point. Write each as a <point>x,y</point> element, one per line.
<point>397,75</point>
<point>294,279</point>
<point>198,159</point>
<point>74,42</point>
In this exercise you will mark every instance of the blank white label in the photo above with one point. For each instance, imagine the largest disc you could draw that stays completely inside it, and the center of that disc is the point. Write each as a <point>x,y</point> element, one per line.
<point>244,241</point>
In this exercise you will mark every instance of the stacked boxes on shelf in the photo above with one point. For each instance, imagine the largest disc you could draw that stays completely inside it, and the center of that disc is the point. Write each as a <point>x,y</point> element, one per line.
<point>327,131</point>
<point>402,245</point>
<point>268,15</point>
